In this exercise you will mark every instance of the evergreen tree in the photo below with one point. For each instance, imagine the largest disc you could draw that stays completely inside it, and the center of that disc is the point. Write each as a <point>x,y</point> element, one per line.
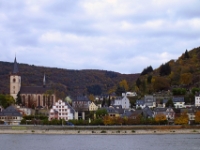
<point>120,90</point>
<point>138,82</point>
<point>147,70</point>
<point>109,101</point>
<point>103,102</point>
<point>18,100</point>
<point>165,69</point>
<point>149,79</point>
<point>169,103</point>
<point>186,55</point>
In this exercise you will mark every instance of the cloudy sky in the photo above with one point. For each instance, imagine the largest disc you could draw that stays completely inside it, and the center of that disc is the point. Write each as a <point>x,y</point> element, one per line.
<point>124,36</point>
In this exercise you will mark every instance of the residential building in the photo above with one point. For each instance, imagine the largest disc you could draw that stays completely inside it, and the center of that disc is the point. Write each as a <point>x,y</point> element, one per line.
<point>150,101</point>
<point>11,116</point>
<point>62,110</point>
<point>81,103</point>
<point>168,112</point>
<point>140,104</point>
<point>178,102</point>
<point>114,111</point>
<point>123,101</point>
<point>129,94</point>
<point>147,112</point>
<point>93,107</point>
<point>197,100</point>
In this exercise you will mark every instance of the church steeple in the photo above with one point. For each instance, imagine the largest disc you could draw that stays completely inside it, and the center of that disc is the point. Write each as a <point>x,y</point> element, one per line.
<point>15,69</point>
<point>44,82</point>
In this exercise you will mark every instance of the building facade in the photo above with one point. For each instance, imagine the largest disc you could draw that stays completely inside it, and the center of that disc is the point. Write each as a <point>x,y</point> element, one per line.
<point>32,96</point>
<point>62,110</point>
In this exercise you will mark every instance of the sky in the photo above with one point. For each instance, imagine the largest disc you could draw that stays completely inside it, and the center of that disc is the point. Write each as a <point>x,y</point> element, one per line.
<point>124,36</point>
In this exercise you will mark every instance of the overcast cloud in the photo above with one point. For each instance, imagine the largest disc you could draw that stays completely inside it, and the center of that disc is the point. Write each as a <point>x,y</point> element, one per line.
<point>124,36</point>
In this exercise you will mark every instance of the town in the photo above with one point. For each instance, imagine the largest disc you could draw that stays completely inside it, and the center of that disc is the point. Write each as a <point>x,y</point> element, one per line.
<point>39,105</point>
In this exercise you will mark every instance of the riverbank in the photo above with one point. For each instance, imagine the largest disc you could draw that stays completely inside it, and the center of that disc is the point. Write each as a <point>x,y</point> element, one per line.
<point>111,130</point>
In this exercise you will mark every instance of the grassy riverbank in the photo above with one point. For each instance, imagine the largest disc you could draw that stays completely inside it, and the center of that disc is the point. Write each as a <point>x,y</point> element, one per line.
<point>100,130</point>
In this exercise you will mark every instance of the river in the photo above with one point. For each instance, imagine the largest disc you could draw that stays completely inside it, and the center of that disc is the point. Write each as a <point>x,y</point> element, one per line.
<point>99,142</point>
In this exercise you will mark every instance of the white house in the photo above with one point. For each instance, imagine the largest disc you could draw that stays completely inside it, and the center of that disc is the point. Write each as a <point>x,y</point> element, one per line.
<point>123,101</point>
<point>140,104</point>
<point>178,102</point>
<point>61,110</point>
<point>197,100</point>
<point>129,94</point>
<point>93,107</point>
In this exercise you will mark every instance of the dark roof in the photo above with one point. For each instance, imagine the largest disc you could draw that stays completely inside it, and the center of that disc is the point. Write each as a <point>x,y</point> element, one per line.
<point>160,109</point>
<point>15,69</point>
<point>147,112</point>
<point>72,110</point>
<point>34,89</point>
<point>178,99</point>
<point>81,98</point>
<point>10,111</point>
<point>165,101</point>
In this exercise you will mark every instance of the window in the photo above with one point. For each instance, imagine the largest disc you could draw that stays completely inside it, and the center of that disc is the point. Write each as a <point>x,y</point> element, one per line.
<point>14,80</point>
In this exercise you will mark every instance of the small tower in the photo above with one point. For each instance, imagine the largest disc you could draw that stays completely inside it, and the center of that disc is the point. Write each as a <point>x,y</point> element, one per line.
<point>15,81</point>
<point>44,82</point>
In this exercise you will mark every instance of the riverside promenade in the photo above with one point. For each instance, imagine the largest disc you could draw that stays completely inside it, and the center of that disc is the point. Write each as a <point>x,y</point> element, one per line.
<point>139,129</point>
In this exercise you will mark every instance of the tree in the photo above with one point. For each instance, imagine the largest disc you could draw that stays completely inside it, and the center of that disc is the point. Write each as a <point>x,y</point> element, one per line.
<point>101,113</point>
<point>138,82</point>
<point>124,84</point>
<point>165,69</point>
<point>149,79</point>
<point>197,117</point>
<point>6,100</point>
<point>91,97</point>
<point>161,83</point>
<point>19,99</point>
<point>161,119</point>
<point>147,70</point>
<point>120,90</point>
<point>182,120</point>
<point>186,78</point>
<point>169,103</point>
<point>109,101</point>
<point>103,102</point>
<point>186,55</point>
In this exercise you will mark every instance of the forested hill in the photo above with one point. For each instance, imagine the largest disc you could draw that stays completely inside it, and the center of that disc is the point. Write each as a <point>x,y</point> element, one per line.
<point>184,72</point>
<point>66,82</point>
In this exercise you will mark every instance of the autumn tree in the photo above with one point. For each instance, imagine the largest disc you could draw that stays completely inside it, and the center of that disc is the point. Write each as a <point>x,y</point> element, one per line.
<point>197,117</point>
<point>91,97</point>
<point>161,119</point>
<point>138,82</point>
<point>124,85</point>
<point>161,83</point>
<point>186,78</point>
<point>182,120</point>
<point>100,113</point>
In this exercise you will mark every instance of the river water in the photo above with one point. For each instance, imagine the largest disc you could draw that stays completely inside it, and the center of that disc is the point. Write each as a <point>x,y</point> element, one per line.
<point>100,142</point>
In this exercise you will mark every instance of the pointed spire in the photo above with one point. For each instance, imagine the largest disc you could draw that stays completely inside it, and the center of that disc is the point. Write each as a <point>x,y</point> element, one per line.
<point>44,81</point>
<point>15,69</point>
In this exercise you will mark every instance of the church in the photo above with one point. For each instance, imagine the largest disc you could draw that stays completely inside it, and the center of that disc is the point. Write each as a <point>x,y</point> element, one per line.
<point>31,96</point>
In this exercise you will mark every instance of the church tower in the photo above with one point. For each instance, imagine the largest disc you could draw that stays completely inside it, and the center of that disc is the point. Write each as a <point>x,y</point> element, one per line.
<point>15,81</point>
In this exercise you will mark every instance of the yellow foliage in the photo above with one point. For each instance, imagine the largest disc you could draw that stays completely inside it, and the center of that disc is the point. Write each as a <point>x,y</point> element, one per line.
<point>124,84</point>
<point>197,117</point>
<point>186,78</point>
<point>91,97</point>
<point>182,120</point>
<point>160,118</point>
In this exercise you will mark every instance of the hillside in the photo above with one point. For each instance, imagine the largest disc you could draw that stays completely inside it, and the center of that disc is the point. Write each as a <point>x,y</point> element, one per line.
<point>66,82</point>
<point>183,72</point>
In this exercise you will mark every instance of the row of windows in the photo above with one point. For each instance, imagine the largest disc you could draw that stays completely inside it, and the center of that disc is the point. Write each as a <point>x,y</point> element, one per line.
<point>8,117</point>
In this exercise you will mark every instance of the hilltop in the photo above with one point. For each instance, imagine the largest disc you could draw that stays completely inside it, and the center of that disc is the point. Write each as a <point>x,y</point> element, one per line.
<point>184,72</point>
<point>66,82</point>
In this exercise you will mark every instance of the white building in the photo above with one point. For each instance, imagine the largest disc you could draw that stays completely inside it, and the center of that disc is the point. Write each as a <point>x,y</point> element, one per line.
<point>123,101</point>
<point>61,110</point>
<point>129,94</point>
<point>178,102</point>
<point>197,100</point>
<point>93,107</point>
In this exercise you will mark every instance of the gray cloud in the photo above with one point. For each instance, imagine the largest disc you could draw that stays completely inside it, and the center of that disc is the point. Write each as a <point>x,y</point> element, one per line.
<point>123,36</point>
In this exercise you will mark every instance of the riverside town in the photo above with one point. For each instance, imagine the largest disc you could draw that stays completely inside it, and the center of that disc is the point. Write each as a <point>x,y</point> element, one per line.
<point>167,97</point>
